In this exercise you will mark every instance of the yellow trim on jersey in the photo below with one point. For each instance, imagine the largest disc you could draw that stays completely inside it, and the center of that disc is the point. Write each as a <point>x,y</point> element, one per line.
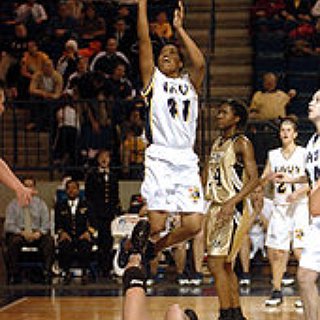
<point>145,91</point>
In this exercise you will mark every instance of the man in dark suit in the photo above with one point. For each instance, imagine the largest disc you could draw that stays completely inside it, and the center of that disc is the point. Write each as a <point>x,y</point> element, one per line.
<point>102,195</point>
<point>73,226</point>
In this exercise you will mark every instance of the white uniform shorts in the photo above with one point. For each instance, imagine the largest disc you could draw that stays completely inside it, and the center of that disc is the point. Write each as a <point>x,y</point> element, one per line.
<point>172,182</point>
<point>288,223</point>
<point>310,257</point>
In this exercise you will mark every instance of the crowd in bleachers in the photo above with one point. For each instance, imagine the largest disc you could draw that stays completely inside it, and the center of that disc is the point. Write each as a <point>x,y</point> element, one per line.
<point>74,66</point>
<point>285,35</point>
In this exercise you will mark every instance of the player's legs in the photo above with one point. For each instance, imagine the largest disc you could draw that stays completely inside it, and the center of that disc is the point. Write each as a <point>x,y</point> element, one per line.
<point>244,254</point>
<point>134,307</point>
<point>234,287</point>
<point>180,257</point>
<point>278,260</point>
<point>198,249</point>
<point>307,279</point>
<point>216,266</point>
<point>190,226</point>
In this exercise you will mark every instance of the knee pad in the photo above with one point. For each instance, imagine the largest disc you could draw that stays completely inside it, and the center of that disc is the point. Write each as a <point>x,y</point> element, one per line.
<point>133,277</point>
<point>191,314</point>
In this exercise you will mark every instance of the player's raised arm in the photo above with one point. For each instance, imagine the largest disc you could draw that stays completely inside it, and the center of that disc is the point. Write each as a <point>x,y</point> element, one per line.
<point>197,68</point>
<point>145,47</point>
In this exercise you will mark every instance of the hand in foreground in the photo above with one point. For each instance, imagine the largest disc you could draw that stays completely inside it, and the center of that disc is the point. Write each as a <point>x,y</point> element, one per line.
<point>24,195</point>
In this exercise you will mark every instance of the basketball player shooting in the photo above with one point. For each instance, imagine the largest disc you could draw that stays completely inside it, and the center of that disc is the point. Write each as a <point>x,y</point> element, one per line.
<point>172,181</point>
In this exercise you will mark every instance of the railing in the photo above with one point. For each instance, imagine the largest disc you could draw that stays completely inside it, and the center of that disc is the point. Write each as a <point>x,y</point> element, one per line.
<point>33,150</point>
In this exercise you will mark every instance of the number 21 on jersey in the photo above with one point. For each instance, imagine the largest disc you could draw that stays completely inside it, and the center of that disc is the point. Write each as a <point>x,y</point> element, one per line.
<point>173,108</point>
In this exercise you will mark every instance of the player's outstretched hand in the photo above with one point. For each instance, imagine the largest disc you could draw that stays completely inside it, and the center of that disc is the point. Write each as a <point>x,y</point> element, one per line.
<point>178,16</point>
<point>24,195</point>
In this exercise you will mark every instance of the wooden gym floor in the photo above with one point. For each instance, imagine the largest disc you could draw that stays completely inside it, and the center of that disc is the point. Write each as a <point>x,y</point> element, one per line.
<point>109,308</point>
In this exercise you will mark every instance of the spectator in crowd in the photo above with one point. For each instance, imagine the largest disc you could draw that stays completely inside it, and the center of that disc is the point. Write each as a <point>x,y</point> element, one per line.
<point>46,88</point>
<point>67,63</point>
<point>315,11</point>
<point>125,13</point>
<point>296,12</point>
<point>133,145</point>
<point>119,91</point>
<point>270,103</point>
<point>124,36</point>
<point>102,194</point>
<point>105,61</point>
<point>31,63</point>
<point>254,240</point>
<point>11,58</point>
<point>73,224</point>
<point>72,83</point>
<point>162,27</point>
<point>118,85</point>
<point>91,25</point>
<point>33,15</point>
<point>266,15</point>
<point>62,27</point>
<point>64,147</point>
<point>28,226</point>
<point>133,149</point>
<point>75,8</point>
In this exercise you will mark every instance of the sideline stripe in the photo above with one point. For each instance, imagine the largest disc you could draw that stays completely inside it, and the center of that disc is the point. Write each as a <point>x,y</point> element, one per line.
<point>12,304</point>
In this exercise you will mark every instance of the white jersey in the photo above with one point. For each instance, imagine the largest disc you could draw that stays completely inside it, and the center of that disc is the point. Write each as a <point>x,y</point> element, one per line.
<point>294,166</point>
<point>313,160</point>
<point>172,111</point>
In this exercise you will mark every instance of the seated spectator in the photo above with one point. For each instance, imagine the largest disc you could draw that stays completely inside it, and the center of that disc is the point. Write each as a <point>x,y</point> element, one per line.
<point>46,88</point>
<point>105,61</point>
<point>162,27</point>
<point>62,27</point>
<point>64,147</point>
<point>31,63</point>
<point>33,15</point>
<point>28,226</point>
<point>67,63</point>
<point>73,224</point>
<point>270,103</point>
<point>255,239</point>
<point>102,194</point>
<point>91,26</point>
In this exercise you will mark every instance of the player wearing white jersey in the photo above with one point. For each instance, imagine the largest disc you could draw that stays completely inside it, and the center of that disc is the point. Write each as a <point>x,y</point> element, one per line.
<point>290,218</point>
<point>309,267</point>
<point>172,182</point>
